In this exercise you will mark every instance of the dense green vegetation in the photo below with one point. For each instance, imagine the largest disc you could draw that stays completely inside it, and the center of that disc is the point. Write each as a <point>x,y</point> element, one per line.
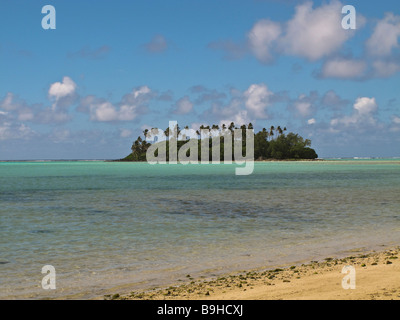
<point>273,143</point>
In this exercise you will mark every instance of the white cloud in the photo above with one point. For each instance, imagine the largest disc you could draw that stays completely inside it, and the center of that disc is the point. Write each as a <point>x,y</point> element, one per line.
<point>50,115</point>
<point>332,100</point>
<point>262,37</point>
<point>239,119</point>
<point>312,33</point>
<point>126,133</point>
<point>62,89</point>
<point>10,131</point>
<point>257,99</point>
<point>365,105</point>
<point>63,94</point>
<point>385,36</point>
<point>141,91</point>
<point>183,106</point>
<point>12,105</point>
<point>7,103</point>
<point>363,113</point>
<point>343,68</point>
<point>385,68</point>
<point>26,114</point>
<point>304,105</point>
<point>396,119</point>
<point>304,108</point>
<point>103,112</point>
<point>315,33</point>
<point>131,106</point>
<point>311,121</point>
<point>243,107</point>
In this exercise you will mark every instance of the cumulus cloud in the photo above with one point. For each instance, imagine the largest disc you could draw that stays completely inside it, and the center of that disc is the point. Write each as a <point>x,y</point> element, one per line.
<point>385,36</point>
<point>303,108</point>
<point>183,106</point>
<point>262,38</point>
<point>257,99</point>
<point>206,95</point>
<point>396,119</point>
<point>332,100</point>
<point>239,119</point>
<point>16,107</point>
<point>385,69</point>
<point>129,108</point>
<point>61,94</point>
<point>9,131</point>
<point>243,106</point>
<point>365,105</point>
<point>395,125</point>
<point>312,33</point>
<point>7,102</point>
<point>363,114</point>
<point>304,105</point>
<point>343,68</point>
<point>315,33</point>
<point>380,60</point>
<point>62,89</point>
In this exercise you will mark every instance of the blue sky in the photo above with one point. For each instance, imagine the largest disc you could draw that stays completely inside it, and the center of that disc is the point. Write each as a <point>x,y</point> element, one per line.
<point>110,69</point>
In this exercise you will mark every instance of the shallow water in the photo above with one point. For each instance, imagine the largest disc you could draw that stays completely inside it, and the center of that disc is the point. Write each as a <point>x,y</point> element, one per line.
<point>107,224</point>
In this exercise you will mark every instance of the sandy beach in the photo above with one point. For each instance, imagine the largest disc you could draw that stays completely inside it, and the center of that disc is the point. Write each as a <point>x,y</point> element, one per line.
<point>377,277</point>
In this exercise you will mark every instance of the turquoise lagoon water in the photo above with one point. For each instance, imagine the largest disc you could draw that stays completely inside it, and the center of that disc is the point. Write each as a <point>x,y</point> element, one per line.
<point>108,225</point>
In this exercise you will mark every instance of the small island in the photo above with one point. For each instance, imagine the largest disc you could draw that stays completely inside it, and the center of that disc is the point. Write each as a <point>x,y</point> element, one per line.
<point>269,144</point>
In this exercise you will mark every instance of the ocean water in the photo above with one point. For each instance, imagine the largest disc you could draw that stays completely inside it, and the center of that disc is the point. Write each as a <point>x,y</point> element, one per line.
<point>109,226</point>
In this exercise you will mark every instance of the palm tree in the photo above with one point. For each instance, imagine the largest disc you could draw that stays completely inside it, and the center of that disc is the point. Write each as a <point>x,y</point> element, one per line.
<point>167,133</point>
<point>265,133</point>
<point>271,132</point>
<point>145,131</point>
<point>279,130</point>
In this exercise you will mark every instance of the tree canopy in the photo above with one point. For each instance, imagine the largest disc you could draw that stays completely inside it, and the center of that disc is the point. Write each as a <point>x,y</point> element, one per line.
<point>271,143</point>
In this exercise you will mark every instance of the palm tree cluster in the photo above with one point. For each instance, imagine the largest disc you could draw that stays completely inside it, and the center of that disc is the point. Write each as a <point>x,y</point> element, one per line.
<point>271,143</point>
